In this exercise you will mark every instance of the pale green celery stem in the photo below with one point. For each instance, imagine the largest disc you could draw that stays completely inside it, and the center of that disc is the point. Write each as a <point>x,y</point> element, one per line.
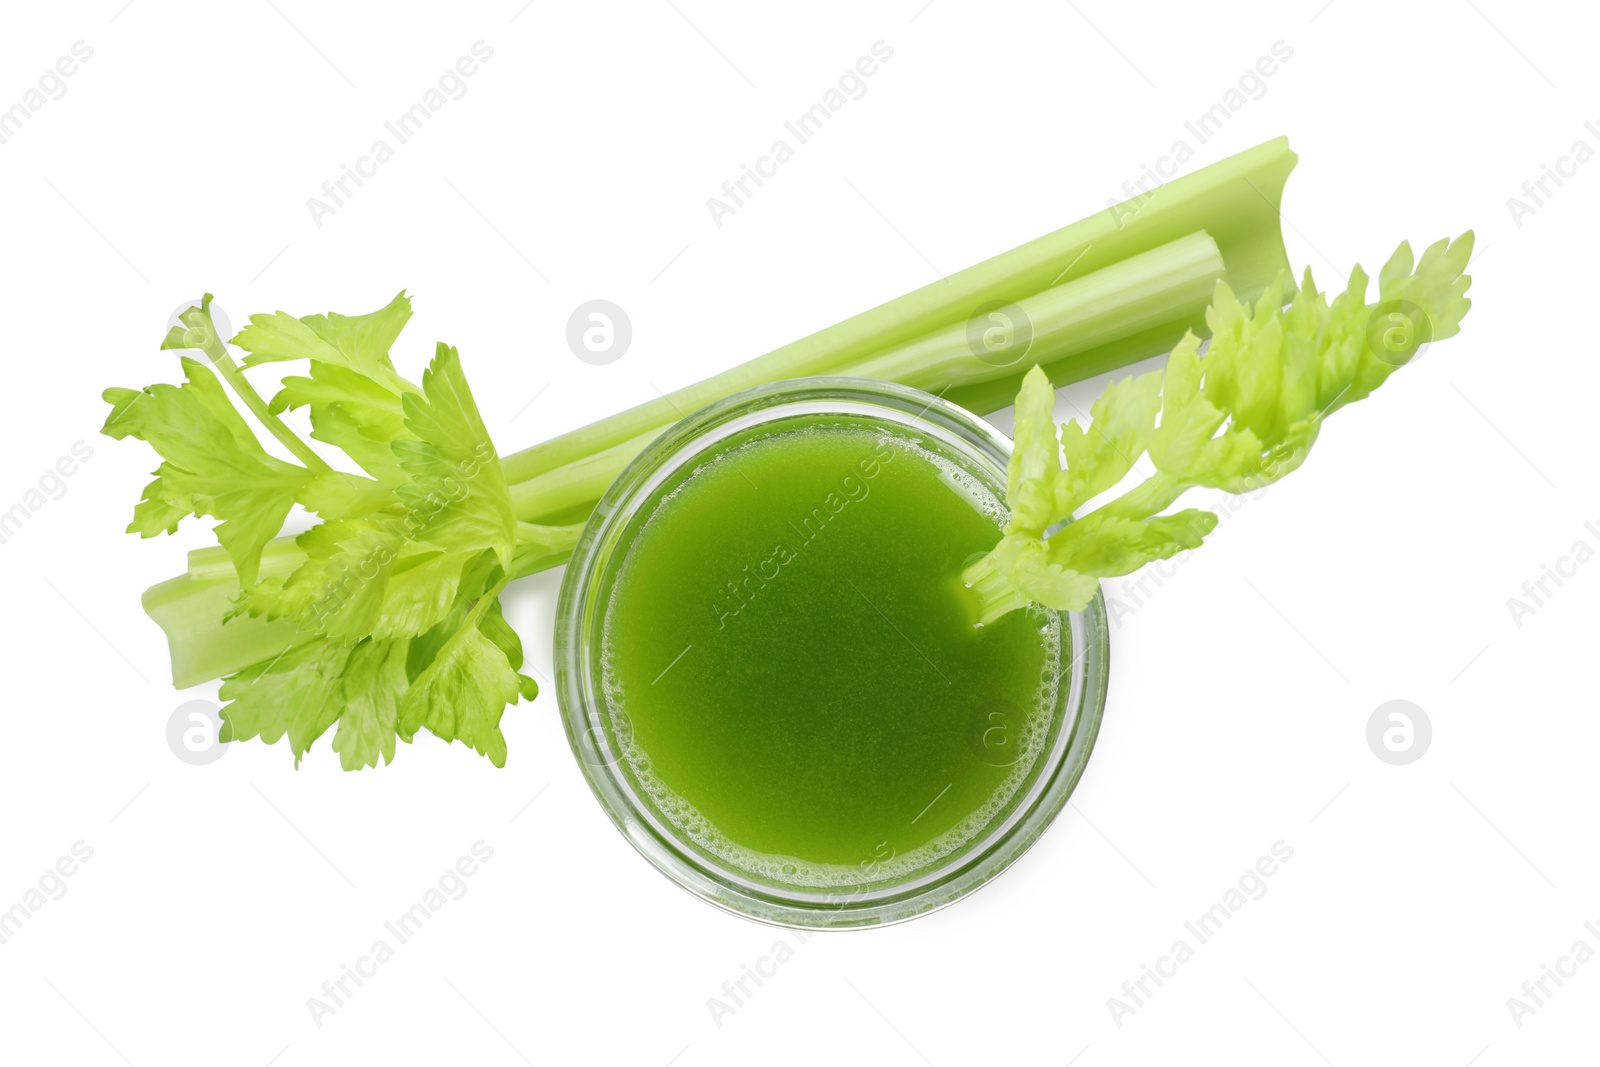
<point>190,608</point>
<point>231,371</point>
<point>279,556</point>
<point>575,485</point>
<point>1153,496</point>
<point>542,547</point>
<point>1234,200</point>
<point>1156,290</point>
<point>996,595</point>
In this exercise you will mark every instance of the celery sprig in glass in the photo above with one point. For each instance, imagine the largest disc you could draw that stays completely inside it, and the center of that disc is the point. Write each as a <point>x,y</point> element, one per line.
<point>1236,418</point>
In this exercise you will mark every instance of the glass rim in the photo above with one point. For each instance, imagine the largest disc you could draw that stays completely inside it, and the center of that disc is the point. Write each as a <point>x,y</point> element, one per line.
<point>1075,715</point>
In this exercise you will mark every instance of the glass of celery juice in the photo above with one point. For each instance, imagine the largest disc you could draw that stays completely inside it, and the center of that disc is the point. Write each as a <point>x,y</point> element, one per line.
<point>770,671</point>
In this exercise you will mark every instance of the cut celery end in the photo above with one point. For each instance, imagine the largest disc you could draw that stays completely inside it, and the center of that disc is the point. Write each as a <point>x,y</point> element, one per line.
<point>201,646</point>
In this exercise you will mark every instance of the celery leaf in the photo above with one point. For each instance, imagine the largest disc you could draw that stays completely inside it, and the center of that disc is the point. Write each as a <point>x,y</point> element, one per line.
<point>1239,417</point>
<point>457,495</point>
<point>213,465</point>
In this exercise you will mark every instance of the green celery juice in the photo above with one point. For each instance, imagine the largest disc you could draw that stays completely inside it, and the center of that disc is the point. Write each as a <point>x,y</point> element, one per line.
<point>790,666</point>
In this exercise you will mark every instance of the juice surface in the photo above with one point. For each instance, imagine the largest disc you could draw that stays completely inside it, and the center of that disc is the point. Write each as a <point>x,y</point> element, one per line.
<point>790,661</point>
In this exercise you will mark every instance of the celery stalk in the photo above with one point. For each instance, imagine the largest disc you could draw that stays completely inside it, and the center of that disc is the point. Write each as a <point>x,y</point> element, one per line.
<point>281,556</point>
<point>200,645</point>
<point>1153,290</point>
<point>1234,200</point>
<point>1101,319</point>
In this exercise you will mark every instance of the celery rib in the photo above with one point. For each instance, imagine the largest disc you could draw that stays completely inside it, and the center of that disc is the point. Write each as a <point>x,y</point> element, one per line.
<point>1235,201</point>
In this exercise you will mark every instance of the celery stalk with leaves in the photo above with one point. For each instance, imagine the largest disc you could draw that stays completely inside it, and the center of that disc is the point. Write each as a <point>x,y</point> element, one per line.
<point>390,602</point>
<point>382,620</point>
<point>1237,418</point>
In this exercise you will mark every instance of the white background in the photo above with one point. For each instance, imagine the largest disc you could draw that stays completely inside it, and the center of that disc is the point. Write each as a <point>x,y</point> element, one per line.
<point>219,898</point>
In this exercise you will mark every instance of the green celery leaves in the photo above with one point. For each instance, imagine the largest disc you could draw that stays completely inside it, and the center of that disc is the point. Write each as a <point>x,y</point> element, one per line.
<point>398,584</point>
<point>1239,417</point>
<point>212,464</point>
